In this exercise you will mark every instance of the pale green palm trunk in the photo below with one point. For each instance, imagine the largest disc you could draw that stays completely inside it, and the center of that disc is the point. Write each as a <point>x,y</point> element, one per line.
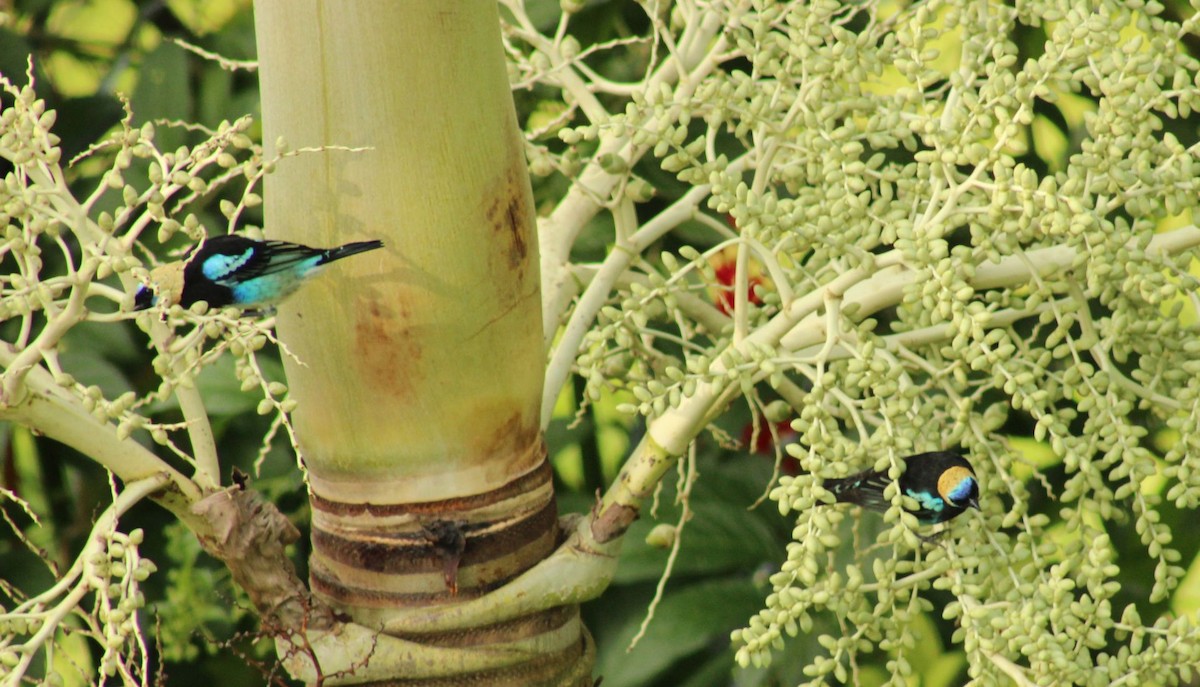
<point>420,366</point>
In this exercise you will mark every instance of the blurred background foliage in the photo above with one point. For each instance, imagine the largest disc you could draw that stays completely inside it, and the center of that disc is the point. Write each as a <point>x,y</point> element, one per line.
<point>89,54</point>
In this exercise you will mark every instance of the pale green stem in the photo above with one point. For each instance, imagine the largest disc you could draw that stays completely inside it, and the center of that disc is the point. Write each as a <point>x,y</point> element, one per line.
<point>51,620</point>
<point>48,409</point>
<point>601,285</point>
<point>741,293</point>
<point>668,435</point>
<point>557,233</point>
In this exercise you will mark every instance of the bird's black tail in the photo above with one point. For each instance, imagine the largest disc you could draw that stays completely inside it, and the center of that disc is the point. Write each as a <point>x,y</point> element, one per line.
<point>349,249</point>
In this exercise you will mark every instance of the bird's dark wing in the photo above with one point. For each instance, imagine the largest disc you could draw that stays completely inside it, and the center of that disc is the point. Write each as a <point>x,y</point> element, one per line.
<point>274,257</point>
<point>229,261</point>
<point>864,489</point>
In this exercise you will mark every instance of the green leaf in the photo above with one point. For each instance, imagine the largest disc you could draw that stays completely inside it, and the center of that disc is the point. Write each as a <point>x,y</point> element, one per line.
<point>94,22</point>
<point>945,670</point>
<point>1186,600</point>
<point>720,537</point>
<point>938,669</point>
<point>723,534</point>
<point>687,621</point>
<point>221,390</point>
<point>114,342</point>
<point>1049,142</point>
<point>204,16</point>
<point>714,670</point>
<point>163,92</point>
<point>1036,455</point>
<point>92,367</point>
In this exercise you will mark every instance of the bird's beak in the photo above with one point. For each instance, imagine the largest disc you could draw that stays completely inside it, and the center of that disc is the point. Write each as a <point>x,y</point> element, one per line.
<point>974,503</point>
<point>144,298</point>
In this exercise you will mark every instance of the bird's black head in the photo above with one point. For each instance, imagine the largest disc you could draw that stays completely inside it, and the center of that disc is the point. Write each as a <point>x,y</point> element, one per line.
<point>144,298</point>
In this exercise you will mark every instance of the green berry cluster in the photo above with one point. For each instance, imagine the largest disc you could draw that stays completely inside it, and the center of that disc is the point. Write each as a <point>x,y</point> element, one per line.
<point>918,227</point>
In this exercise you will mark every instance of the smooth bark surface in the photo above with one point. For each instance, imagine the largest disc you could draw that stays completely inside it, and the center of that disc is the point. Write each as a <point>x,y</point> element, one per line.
<point>418,368</point>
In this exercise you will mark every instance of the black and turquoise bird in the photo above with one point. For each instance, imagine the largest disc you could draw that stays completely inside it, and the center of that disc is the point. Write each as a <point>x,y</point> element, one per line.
<point>943,484</point>
<point>235,270</point>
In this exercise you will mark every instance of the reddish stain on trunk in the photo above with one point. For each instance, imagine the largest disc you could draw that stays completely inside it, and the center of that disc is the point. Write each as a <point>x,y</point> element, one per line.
<point>387,347</point>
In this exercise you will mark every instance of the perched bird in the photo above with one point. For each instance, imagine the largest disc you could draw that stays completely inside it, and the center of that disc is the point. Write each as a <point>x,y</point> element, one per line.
<point>235,270</point>
<point>942,482</point>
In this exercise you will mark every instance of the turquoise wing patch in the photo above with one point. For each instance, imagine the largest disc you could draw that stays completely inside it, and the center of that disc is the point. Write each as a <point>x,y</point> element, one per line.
<point>220,266</point>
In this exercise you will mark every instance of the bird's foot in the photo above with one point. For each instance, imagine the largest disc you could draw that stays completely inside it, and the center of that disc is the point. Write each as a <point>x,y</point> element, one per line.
<point>933,539</point>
